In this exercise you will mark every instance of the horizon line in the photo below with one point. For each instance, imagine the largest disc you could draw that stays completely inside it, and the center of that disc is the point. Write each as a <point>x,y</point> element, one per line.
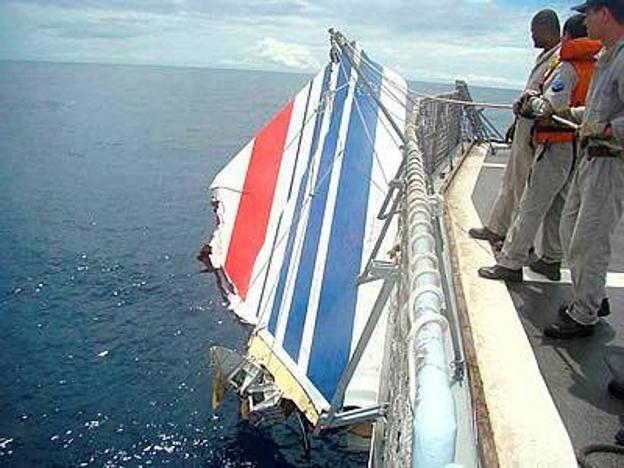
<point>227,68</point>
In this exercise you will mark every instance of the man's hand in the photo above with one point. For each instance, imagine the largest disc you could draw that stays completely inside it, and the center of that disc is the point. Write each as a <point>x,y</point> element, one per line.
<point>509,134</point>
<point>526,109</point>
<point>543,110</point>
<point>520,102</point>
<point>573,114</point>
<point>526,105</point>
<point>564,113</point>
<point>598,130</point>
<point>609,132</point>
<point>593,130</point>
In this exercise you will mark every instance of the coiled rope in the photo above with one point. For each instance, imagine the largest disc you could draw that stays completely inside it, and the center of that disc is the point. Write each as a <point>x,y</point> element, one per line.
<point>584,453</point>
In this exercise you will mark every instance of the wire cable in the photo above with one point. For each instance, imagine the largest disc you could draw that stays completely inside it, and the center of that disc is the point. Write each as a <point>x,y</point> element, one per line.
<point>407,90</point>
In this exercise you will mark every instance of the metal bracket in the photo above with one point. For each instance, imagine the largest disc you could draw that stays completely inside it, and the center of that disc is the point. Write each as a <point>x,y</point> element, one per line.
<point>384,270</point>
<point>358,352</point>
<point>437,203</point>
<point>396,183</point>
<point>378,270</point>
<point>244,376</point>
<point>393,186</point>
<point>263,402</point>
<point>389,214</point>
<point>365,276</point>
<point>458,367</point>
<point>351,417</point>
<point>255,386</point>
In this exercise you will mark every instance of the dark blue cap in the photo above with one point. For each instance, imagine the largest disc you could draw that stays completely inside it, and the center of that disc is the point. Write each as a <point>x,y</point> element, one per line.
<point>611,4</point>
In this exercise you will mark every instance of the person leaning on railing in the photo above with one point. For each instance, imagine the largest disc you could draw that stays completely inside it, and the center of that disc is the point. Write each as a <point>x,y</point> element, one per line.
<point>595,200</point>
<point>545,191</point>
<point>545,31</point>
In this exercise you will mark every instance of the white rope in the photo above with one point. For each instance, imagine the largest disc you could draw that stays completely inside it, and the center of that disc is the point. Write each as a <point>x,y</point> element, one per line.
<point>407,90</point>
<point>370,141</point>
<point>486,105</point>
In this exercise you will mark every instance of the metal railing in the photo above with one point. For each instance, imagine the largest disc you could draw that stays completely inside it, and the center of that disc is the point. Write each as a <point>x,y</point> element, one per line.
<point>439,129</point>
<point>425,357</point>
<point>444,126</point>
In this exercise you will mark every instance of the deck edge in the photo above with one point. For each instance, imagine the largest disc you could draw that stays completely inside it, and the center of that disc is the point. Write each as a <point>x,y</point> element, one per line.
<point>512,398</point>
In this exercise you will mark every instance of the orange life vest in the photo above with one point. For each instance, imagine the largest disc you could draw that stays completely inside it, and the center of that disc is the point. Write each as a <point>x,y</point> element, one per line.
<point>581,54</point>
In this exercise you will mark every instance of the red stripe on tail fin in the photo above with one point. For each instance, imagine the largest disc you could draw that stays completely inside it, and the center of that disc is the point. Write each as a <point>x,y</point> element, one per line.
<point>256,200</point>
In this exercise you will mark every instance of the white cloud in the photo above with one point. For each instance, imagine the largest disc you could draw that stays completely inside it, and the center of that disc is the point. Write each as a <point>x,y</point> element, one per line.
<point>422,39</point>
<point>288,54</point>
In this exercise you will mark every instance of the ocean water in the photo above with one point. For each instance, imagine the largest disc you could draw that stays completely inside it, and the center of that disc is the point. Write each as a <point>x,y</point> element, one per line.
<point>105,318</point>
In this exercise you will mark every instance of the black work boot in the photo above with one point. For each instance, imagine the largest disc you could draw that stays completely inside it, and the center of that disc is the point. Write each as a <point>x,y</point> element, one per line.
<point>604,310</point>
<point>615,362</point>
<point>616,389</point>
<point>499,272</point>
<point>483,233</point>
<point>552,271</point>
<point>497,246</point>
<point>565,327</point>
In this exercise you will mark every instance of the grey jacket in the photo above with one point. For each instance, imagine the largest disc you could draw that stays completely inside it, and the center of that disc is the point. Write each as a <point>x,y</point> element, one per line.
<point>543,61</point>
<point>605,99</point>
<point>558,90</point>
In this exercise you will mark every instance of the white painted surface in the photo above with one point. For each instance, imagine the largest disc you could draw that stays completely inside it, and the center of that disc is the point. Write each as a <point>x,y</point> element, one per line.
<point>527,428</point>
<point>614,280</point>
<point>495,165</point>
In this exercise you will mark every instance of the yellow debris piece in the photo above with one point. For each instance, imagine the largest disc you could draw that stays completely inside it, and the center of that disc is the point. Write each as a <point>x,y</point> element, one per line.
<point>218,389</point>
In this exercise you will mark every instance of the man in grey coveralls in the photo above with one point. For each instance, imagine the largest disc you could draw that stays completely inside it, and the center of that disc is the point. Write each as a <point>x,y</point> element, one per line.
<point>595,199</point>
<point>545,31</point>
<point>544,192</point>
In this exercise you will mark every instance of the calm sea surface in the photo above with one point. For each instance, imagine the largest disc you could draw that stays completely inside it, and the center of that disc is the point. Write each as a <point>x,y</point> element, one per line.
<point>104,317</point>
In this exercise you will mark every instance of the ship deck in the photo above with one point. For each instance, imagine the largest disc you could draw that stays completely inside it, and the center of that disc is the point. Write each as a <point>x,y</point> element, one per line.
<point>574,371</point>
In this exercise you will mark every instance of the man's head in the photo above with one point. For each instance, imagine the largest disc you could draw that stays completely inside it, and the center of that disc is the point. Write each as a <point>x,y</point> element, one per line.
<point>545,29</point>
<point>574,27</point>
<point>603,17</point>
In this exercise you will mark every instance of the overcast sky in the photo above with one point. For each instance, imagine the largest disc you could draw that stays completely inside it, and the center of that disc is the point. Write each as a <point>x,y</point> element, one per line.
<point>485,42</point>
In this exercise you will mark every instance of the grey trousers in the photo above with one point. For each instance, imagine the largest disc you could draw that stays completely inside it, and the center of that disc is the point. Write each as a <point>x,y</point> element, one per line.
<point>542,200</point>
<point>591,214</point>
<point>515,175</point>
